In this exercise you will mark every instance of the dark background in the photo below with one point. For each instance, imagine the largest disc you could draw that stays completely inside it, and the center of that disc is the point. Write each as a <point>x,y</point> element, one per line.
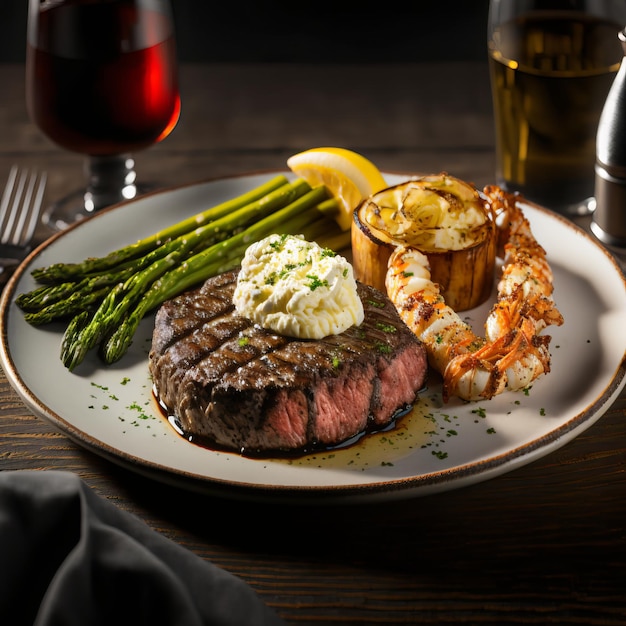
<point>305,31</point>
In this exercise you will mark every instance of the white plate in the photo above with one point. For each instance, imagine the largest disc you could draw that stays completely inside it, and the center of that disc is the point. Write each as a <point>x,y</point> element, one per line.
<point>111,411</point>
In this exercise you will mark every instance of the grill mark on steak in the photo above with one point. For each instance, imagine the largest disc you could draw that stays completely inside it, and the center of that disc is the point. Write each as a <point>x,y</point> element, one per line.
<point>244,388</point>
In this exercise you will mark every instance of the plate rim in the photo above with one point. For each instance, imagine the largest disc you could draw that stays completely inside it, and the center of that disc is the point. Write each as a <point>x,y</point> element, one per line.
<point>419,485</point>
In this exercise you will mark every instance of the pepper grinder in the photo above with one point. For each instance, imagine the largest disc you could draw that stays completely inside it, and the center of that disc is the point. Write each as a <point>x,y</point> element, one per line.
<point>608,223</point>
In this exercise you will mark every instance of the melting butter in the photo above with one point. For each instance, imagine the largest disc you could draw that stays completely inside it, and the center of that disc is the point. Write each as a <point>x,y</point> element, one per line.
<point>297,288</point>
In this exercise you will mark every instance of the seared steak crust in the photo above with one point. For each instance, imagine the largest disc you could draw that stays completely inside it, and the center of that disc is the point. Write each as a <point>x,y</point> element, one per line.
<point>244,388</point>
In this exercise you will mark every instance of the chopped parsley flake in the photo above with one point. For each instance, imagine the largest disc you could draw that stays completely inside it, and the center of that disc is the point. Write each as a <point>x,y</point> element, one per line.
<point>376,304</point>
<point>383,348</point>
<point>316,282</point>
<point>279,245</point>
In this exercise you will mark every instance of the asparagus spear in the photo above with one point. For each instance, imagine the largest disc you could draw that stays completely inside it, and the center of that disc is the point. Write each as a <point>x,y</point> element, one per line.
<point>53,297</point>
<point>74,304</point>
<point>154,285</point>
<point>63,272</point>
<point>43,296</point>
<point>73,330</point>
<point>336,240</point>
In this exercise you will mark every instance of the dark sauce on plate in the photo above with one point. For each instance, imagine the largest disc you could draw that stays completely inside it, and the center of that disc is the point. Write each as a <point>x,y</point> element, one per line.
<point>408,430</point>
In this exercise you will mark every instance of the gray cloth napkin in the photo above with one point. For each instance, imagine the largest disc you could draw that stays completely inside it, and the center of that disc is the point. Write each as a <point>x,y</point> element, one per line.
<point>69,557</point>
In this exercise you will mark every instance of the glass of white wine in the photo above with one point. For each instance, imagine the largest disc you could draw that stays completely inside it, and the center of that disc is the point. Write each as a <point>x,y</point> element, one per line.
<point>552,64</point>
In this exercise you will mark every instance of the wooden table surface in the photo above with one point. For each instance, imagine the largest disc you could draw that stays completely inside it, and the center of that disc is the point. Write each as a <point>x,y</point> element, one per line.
<point>543,544</point>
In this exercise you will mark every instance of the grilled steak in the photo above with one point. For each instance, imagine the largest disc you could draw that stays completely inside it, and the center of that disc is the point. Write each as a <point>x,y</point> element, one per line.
<point>241,387</point>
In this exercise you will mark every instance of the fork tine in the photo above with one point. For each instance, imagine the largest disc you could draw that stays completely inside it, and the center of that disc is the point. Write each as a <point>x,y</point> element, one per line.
<point>31,210</point>
<point>9,235</point>
<point>37,207</point>
<point>21,206</point>
<point>19,223</point>
<point>4,205</point>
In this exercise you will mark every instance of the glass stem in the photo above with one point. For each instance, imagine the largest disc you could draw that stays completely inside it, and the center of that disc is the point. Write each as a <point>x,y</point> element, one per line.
<point>110,179</point>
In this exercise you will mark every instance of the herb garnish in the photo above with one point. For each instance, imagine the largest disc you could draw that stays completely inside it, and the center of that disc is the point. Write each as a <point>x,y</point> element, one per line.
<point>316,282</point>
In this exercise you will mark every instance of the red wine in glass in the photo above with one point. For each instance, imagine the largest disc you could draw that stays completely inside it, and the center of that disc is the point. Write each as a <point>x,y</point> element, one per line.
<point>101,80</point>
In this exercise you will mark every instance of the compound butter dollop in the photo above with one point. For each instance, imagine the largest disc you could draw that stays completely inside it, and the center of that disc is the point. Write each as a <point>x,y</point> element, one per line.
<point>297,288</point>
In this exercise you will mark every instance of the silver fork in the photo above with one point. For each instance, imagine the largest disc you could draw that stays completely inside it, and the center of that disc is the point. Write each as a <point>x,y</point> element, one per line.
<point>20,210</point>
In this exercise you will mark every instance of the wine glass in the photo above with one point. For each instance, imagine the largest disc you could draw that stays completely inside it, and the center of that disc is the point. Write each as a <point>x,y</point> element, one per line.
<point>101,80</point>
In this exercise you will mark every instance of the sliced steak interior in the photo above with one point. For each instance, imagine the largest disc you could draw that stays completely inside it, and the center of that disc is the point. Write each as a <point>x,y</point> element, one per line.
<point>234,384</point>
